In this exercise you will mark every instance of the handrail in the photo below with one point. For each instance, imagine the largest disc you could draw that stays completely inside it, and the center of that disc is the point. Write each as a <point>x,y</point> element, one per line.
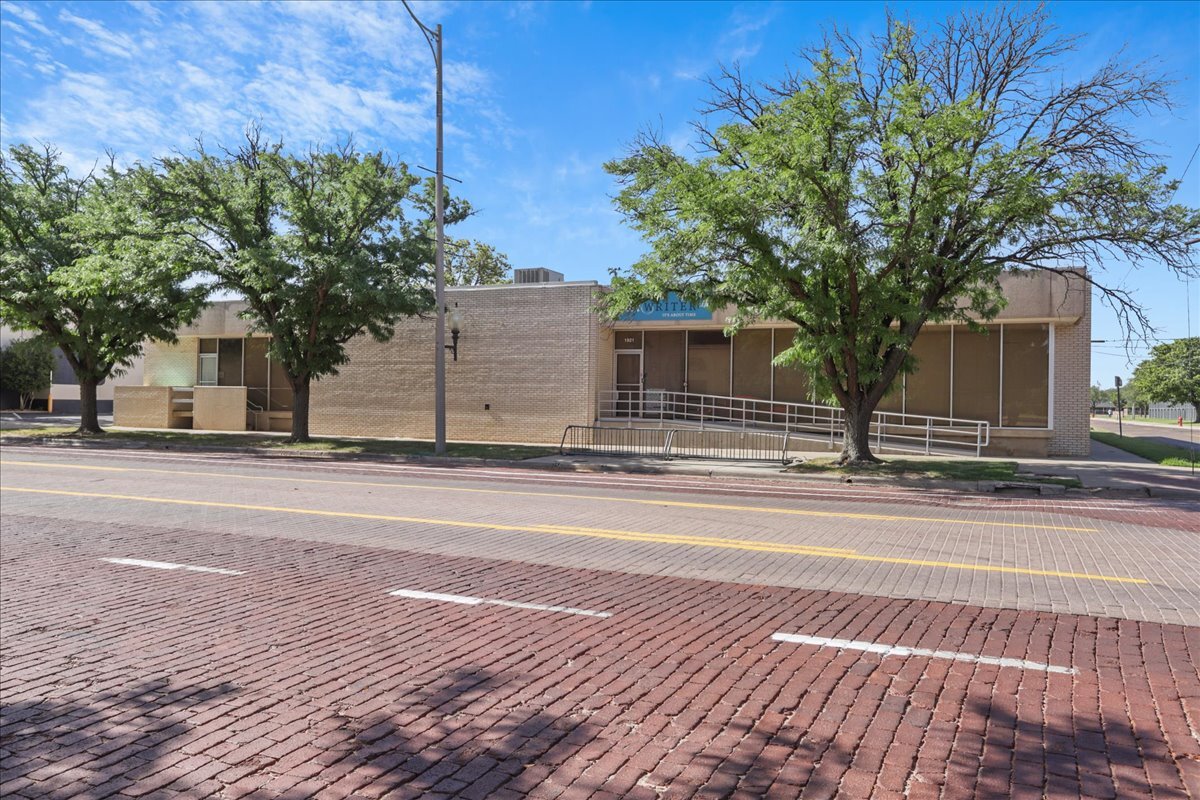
<point>714,443</point>
<point>894,429</point>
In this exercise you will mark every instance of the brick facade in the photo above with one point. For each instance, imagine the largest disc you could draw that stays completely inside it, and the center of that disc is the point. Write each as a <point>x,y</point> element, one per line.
<point>526,369</point>
<point>171,364</point>
<point>1072,373</point>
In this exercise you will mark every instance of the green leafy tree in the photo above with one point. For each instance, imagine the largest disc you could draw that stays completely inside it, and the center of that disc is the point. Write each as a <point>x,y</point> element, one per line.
<point>1171,374</point>
<point>83,261</point>
<point>323,247</point>
<point>891,183</point>
<point>26,366</point>
<point>471,263</point>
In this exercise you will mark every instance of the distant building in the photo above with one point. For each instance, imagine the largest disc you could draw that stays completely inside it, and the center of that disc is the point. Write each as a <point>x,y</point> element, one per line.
<point>63,395</point>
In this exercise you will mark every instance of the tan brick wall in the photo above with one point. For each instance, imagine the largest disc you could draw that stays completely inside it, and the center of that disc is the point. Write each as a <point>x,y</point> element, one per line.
<point>142,406</point>
<point>1072,373</point>
<point>219,408</point>
<point>171,364</point>
<point>604,363</point>
<point>529,353</point>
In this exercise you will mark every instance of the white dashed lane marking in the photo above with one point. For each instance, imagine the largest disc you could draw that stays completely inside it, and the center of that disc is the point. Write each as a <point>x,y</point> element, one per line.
<point>467,600</point>
<point>139,562</point>
<point>897,650</point>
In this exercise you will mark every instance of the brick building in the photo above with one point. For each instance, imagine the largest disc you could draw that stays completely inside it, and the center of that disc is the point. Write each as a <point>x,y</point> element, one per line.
<point>536,357</point>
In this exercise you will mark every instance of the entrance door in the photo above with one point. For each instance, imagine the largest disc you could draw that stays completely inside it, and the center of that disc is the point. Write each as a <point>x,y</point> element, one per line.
<point>629,384</point>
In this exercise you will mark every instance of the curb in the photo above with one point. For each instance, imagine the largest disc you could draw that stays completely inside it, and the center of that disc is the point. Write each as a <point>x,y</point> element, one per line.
<point>565,464</point>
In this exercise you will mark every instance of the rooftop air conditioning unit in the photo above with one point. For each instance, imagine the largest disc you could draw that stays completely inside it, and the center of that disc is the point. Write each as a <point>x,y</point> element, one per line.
<point>536,275</point>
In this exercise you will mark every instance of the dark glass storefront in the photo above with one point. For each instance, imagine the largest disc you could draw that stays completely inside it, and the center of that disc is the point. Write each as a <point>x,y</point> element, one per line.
<point>1001,376</point>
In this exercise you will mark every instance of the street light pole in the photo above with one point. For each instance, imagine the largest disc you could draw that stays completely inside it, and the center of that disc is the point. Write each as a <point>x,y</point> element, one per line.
<point>434,38</point>
<point>439,369</point>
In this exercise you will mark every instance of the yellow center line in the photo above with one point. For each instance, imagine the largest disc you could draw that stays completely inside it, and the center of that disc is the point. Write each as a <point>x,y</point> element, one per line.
<point>561,495</point>
<point>596,533</point>
<point>687,539</point>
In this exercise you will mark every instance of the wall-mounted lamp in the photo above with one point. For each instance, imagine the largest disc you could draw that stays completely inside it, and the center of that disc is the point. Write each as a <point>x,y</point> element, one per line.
<point>454,318</point>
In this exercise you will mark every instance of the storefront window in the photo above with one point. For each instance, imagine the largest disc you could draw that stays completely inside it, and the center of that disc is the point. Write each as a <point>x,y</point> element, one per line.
<point>977,374</point>
<point>241,361</point>
<point>708,363</point>
<point>229,362</point>
<point>1000,376</point>
<point>664,360</point>
<point>927,391</point>
<point>752,364</point>
<point>256,372</point>
<point>791,385</point>
<point>1026,392</point>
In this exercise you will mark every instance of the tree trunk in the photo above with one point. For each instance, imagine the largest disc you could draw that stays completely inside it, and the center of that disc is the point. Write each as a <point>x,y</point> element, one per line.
<point>856,448</point>
<point>89,420</point>
<point>300,411</point>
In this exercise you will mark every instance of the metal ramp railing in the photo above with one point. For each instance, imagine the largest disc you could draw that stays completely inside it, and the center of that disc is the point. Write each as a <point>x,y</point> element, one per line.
<point>889,429</point>
<point>668,443</point>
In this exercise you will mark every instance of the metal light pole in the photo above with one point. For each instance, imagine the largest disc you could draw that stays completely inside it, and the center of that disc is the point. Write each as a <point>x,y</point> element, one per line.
<point>434,38</point>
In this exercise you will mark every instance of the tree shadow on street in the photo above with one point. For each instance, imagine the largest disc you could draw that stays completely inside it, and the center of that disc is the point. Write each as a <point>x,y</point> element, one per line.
<point>1065,755</point>
<point>468,735</point>
<point>60,748</point>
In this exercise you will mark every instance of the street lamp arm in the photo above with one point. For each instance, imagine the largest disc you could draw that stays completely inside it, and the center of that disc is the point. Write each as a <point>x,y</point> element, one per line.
<point>430,33</point>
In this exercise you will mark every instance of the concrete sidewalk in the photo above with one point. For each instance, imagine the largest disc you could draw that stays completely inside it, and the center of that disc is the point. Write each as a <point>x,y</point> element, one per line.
<point>1116,474</point>
<point>15,420</point>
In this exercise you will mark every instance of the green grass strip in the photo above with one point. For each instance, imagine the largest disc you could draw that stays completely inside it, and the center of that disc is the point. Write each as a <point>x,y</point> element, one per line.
<point>390,447</point>
<point>1165,454</point>
<point>960,469</point>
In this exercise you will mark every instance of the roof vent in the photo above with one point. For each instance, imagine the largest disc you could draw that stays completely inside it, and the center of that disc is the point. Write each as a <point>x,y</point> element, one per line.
<point>536,275</point>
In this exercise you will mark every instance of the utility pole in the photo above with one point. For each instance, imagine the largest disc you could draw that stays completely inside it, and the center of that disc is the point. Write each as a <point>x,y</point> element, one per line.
<point>439,369</point>
<point>434,38</point>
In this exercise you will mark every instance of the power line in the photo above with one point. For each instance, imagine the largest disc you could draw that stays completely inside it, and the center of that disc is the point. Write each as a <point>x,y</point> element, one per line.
<point>1185,169</point>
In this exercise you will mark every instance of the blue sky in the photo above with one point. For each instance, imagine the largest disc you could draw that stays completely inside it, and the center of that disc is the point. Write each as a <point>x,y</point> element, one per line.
<point>539,96</point>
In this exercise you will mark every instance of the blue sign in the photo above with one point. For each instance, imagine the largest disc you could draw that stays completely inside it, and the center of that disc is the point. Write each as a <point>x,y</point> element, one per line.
<point>671,308</point>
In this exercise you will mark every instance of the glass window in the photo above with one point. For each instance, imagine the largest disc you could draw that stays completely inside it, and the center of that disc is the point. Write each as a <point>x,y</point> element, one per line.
<point>927,390</point>
<point>664,360</point>
<point>752,364</point>
<point>208,370</point>
<point>977,374</point>
<point>229,362</point>
<point>255,371</point>
<point>708,363</point>
<point>791,385</point>
<point>281,390</point>
<point>1026,376</point>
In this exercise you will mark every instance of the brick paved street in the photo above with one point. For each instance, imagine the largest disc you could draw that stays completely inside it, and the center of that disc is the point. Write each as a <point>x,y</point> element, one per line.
<point>293,671</point>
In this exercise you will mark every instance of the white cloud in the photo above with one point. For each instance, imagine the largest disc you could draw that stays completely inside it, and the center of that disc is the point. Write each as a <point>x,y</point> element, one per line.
<point>314,107</point>
<point>743,39</point>
<point>100,37</point>
<point>573,168</point>
<point>310,72</point>
<point>147,9</point>
<point>27,15</point>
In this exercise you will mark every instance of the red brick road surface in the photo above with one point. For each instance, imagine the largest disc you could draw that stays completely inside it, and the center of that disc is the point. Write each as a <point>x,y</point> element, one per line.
<point>304,678</point>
